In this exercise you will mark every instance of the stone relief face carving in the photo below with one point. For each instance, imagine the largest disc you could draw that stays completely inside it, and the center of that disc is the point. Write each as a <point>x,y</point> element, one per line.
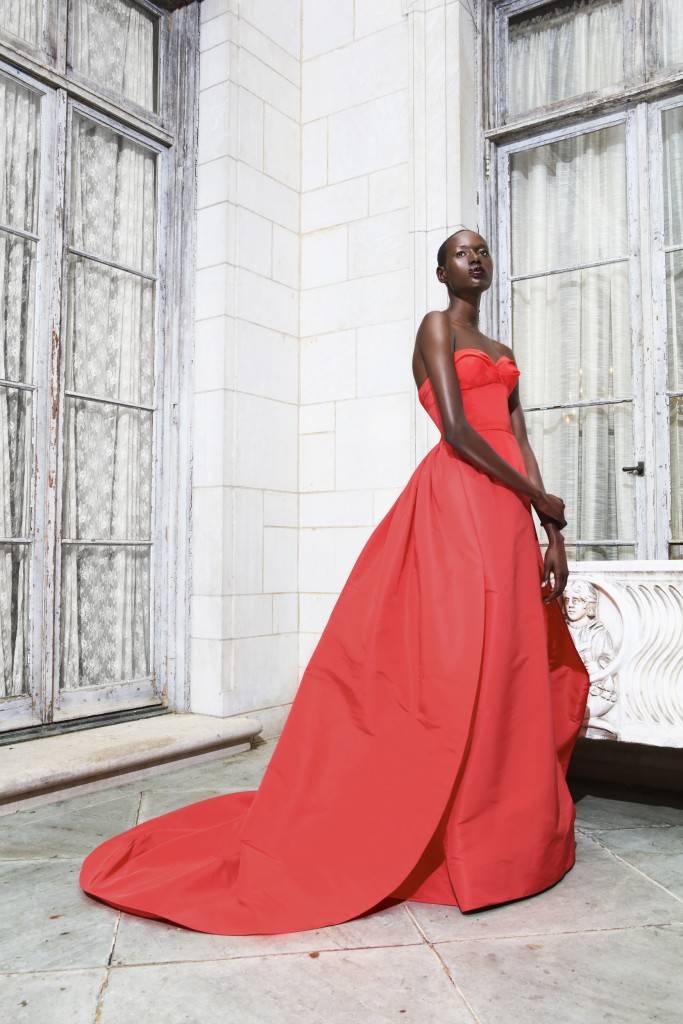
<point>593,641</point>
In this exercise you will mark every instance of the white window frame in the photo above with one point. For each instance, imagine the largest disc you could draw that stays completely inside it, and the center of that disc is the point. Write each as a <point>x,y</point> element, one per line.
<point>170,133</point>
<point>638,104</point>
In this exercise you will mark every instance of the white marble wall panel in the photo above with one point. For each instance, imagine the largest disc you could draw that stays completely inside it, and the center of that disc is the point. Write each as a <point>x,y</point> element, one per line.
<point>327,24</point>
<point>357,416</point>
<point>244,605</point>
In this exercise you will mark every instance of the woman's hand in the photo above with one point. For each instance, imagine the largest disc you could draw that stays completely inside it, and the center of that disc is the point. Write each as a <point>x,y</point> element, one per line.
<point>555,562</point>
<point>550,506</point>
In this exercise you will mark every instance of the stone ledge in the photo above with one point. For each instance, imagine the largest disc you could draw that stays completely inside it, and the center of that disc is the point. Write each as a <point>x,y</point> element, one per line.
<point>41,766</point>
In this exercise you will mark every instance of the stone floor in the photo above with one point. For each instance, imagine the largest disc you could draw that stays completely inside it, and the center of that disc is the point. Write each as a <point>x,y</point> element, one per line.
<point>604,944</point>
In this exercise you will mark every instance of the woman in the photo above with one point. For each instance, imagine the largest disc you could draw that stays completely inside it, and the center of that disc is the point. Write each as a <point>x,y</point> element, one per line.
<point>425,753</point>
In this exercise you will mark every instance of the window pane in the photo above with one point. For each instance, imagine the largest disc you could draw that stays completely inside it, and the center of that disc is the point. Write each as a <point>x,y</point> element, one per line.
<point>17,293</point>
<point>23,19</point>
<point>15,463</point>
<point>672,126</point>
<point>110,333</point>
<point>116,44</point>
<point>14,596</point>
<point>113,196</point>
<point>569,202</point>
<point>104,615</point>
<point>563,51</point>
<point>673,237</point>
<point>17,304</point>
<point>107,472</point>
<point>581,452</point>
<point>572,329</point>
<point>668,34</point>
<point>572,335</point>
<point>676,431</point>
<point>19,170</point>
<point>19,146</point>
<point>674,319</point>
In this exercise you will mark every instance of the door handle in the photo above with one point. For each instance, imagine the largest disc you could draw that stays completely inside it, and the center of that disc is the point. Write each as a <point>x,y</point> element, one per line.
<point>638,469</point>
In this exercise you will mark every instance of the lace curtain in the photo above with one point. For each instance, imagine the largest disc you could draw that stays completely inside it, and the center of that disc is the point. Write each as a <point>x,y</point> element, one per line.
<point>114,43</point>
<point>107,468</point>
<point>564,51</point>
<point>668,33</point>
<point>571,327</point>
<point>19,143</point>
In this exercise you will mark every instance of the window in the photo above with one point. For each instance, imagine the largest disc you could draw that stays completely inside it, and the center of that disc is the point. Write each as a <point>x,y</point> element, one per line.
<point>586,128</point>
<point>88,158</point>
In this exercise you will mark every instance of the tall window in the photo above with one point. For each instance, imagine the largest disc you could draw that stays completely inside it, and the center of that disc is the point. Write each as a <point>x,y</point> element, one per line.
<point>586,132</point>
<point>87,134</point>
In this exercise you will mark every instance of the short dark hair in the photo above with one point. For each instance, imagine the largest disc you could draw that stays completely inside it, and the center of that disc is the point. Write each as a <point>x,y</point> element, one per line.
<point>443,248</point>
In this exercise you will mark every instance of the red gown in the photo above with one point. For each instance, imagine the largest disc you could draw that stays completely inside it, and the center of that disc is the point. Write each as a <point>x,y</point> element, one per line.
<point>425,754</point>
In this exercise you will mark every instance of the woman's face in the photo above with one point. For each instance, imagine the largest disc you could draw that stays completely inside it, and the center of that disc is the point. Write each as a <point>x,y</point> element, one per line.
<point>468,264</point>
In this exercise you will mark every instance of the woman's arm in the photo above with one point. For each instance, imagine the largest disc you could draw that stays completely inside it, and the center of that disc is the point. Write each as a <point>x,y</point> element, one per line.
<point>555,559</point>
<point>519,428</point>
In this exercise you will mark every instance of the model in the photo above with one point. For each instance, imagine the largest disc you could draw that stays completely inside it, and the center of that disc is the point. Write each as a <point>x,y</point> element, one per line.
<point>425,754</point>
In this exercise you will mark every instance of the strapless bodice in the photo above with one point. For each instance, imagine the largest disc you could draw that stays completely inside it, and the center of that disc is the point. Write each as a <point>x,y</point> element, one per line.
<point>485,386</point>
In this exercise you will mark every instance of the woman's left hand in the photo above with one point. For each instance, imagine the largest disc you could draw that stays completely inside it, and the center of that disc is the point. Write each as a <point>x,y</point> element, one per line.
<point>555,562</point>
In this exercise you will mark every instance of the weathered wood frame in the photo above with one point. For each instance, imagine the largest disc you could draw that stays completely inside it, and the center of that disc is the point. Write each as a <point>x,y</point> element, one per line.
<point>638,103</point>
<point>171,133</point>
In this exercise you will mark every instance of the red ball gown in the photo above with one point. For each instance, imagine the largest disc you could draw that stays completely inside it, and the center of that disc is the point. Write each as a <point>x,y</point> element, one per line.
<point>425,754</point>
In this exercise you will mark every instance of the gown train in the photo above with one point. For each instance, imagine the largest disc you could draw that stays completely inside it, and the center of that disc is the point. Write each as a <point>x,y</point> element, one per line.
<point>425,753</point>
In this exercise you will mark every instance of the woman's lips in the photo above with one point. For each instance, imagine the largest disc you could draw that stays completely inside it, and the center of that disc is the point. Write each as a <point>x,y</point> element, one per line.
<point>477,272</point>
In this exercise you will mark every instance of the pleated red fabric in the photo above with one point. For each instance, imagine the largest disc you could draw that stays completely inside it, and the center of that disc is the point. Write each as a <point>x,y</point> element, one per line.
<point>425,754</point>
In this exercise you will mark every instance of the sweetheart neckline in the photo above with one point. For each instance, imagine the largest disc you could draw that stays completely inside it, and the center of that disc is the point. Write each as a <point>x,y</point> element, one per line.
<point>479,351</point>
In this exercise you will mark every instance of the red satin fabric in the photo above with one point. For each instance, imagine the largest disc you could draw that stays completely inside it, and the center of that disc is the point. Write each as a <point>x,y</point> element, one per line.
<point>425,753</point>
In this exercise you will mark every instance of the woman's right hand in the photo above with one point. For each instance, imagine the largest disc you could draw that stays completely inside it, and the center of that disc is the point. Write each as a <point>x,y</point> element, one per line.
<point>550,506</point>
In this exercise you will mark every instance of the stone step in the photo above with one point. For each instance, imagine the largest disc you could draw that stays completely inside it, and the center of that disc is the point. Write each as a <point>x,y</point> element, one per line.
<point>47,766</point>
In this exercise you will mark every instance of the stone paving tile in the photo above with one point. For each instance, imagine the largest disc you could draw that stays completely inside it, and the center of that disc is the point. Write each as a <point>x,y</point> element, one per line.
<point>141,941</point>
<point>47,922</point>
<point>161,801</point>
<point>511,962</point>
<point>658,852</point>
<point>403,984</point>
<point>595,812</point>
<point>51,998</point>
<point>598,892</point>
<point>624,977</point>
<point>70,828</point>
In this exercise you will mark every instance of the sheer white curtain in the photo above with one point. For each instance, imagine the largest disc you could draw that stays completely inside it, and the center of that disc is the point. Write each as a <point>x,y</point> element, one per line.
<point>114,43</point>
<point>564,51</point>
<point>668,33</point>
<point>571,325</point>
<point>107,472</point>
<point>19,144</point>
<point>23,18</point>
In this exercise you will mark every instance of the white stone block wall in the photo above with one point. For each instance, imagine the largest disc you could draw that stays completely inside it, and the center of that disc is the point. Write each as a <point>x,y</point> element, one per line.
<point>244,614</point>
<point>323,194</point>
<point>356,416</point>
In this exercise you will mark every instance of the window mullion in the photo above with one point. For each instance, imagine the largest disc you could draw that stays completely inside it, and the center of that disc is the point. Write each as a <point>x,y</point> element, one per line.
<point>57,28</point>
<point>634,42</point>
<point>51,363</point>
